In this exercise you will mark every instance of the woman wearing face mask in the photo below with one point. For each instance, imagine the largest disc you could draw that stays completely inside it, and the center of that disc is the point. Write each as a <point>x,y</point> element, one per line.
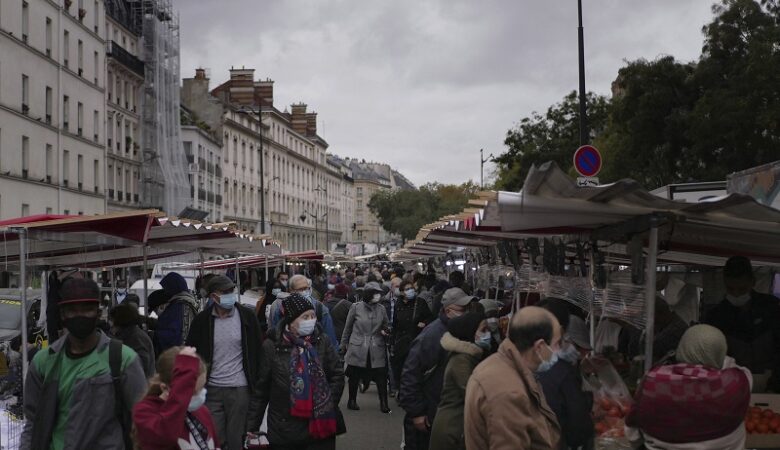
<point>173,415</point>
<point>467,340</point>
<point>363,342</point>
<point>411,315</point>
<point>300,382</point>
<point>561,382</point>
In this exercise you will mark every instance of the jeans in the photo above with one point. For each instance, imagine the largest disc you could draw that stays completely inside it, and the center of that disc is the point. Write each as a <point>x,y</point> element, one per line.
<point>229,408</point>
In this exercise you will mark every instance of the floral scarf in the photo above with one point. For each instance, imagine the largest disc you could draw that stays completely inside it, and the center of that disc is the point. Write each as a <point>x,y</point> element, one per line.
<point>310,396</point>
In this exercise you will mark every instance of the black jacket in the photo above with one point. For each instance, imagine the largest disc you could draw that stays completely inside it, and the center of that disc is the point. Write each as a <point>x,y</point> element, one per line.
<point>407,315</point>
<point>423,373</point>
<point>201,336</point>
<point>273,387</point>
<point>339,310</point>
<point>562,388</point>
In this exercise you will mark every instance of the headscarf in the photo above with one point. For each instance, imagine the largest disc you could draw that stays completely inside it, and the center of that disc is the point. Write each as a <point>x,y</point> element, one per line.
<point>702,345</point>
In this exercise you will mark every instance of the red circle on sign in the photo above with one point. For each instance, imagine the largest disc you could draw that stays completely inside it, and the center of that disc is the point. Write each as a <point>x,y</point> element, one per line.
<point>587,161</point>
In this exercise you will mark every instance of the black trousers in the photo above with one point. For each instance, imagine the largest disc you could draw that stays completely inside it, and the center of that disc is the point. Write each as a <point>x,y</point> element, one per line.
<point>358,374</point>
<point>415,439</point>
<point>324,444</point>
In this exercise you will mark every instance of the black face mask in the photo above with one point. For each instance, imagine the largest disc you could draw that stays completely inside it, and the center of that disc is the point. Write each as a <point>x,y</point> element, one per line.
<point>81,326</point>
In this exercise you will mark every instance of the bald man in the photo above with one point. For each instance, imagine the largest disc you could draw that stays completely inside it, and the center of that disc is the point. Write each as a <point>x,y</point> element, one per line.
<point>505,407</point>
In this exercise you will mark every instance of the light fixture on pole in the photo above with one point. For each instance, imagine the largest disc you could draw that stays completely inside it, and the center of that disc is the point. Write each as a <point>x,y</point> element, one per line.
<point>482,162</point>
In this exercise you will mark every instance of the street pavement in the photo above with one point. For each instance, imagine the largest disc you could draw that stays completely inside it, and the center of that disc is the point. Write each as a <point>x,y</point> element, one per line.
<point>369,429</point>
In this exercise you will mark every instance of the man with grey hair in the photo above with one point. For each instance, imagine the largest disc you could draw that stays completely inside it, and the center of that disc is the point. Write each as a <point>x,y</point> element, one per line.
<point>299,284</point>
<point>505,406</point>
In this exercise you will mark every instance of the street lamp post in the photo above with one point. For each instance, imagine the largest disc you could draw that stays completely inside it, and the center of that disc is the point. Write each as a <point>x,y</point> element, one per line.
<point>482,162</point>
<point>327,228</point>
<point>262,169</point>
<point>584,133</point>
<point>303,216</point>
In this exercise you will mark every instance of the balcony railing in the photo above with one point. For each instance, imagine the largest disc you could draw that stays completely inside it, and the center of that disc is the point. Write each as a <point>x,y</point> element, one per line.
<point>125,58</point>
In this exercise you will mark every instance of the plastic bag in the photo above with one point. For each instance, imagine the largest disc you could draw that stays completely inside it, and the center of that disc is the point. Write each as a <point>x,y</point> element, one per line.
<point>611,402</point>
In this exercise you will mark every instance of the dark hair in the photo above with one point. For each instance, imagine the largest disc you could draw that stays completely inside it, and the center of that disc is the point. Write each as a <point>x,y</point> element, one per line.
<point>524,335</point>
<point>430,280</point>
<point>738,267</point>
<point>386,275</point>
<point>79,288</point>
<point>407,283</point>
<point>281,272</point>
<point>559,308</point>
<point>165,363</point>
<point>371,277</point>
<point>457,278</point>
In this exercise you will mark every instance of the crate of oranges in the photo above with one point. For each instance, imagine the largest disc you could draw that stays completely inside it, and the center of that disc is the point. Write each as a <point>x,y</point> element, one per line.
<point>762,421</point>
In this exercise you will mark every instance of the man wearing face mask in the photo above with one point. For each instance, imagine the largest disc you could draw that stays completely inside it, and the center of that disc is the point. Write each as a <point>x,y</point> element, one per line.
<point>70,400</point>
<point>751,323</point>
<point>410,317</point>
<point>562,384</point>
<point>423,372</point>
<point>227,336</point>
<point>505,406</point>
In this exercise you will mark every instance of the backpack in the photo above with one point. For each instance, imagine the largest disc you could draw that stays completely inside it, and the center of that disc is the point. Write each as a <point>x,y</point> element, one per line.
<point>121,413</point>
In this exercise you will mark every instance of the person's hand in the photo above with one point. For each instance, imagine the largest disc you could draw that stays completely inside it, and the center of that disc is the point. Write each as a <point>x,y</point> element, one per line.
<point>189,351</point>
<point>420,324</point>
<point>421,423</point>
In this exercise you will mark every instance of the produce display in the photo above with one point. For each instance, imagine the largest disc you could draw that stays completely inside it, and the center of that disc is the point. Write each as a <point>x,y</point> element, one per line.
<point>609,416</point>
<point>762,421</point>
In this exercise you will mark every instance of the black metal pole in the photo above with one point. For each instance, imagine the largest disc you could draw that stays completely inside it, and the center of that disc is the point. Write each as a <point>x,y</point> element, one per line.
<point>481,169</point>
<point>262,170</point>
<point>584,133</point>
<point>327,221</point>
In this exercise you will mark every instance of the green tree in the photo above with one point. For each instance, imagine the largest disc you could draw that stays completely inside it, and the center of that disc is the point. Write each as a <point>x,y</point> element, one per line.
<point>552,136</point>
<point>404,212</point>
<point>646,134</point>
<point>735,123</point>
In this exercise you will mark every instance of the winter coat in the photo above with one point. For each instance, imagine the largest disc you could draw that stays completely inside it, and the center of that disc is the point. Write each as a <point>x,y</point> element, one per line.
<point>137,339</point>
<point>91,420</point>
<point>160,424</point>
<point>505,407</point>
<point>407,315</point>
<point>339,311</point>
<point>273,387</point>
<point>423,372</point>
<point>173,324</point>
<point>323,318</point>
<point>202,338</point>
<point>363,335</point>
<point>447,429</point>
<point>562,388</point>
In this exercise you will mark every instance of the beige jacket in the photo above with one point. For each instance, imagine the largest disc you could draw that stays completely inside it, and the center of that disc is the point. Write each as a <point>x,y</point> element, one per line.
<point>505,408</point>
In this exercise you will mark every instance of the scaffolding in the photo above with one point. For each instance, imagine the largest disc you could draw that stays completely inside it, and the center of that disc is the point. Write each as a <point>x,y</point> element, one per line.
<point>164,183</point>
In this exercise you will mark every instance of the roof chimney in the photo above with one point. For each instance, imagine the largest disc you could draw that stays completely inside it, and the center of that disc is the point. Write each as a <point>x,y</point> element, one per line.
<point>264,92</point>
<point>298,118</point>
<point>242,86</point>
<point>311,124</point>
<point>200,74</point>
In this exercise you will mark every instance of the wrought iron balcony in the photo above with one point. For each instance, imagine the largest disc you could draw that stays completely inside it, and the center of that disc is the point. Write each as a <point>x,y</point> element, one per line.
<point>125,58</point>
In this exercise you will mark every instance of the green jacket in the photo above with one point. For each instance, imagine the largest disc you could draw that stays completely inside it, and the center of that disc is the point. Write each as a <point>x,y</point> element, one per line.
<point>69,403</point>
<point>447,429</point>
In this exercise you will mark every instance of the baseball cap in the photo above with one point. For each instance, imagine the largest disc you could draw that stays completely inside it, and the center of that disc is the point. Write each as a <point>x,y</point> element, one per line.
<point>372,286</point>
<point>79,290</point>
<point>455,296</point>
<point>219,283</point>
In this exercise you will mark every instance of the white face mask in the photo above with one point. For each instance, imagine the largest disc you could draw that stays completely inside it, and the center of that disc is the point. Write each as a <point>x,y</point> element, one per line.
<point>197,400</point>
<point>276,291</point>
<point>376,298</point>
<point>738,300</point>
<point>306,327</point>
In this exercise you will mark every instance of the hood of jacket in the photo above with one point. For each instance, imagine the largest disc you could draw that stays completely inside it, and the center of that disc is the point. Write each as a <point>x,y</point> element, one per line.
<point>454,345</point>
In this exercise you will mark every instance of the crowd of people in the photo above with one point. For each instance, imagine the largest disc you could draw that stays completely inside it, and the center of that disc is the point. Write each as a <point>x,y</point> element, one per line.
<point>468,372</point>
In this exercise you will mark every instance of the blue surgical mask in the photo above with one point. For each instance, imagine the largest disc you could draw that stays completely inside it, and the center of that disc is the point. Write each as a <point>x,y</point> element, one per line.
<point>276,291</point>
<point>306,327</point>
<point>228,301</point>
<point>197,400</point>
<point>484,340</point>
<point>569,354</point>
<point>547,364</point>
<point>410,293</point>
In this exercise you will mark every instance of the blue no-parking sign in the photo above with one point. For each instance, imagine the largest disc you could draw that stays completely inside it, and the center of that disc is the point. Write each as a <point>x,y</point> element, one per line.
<point>587,161</point>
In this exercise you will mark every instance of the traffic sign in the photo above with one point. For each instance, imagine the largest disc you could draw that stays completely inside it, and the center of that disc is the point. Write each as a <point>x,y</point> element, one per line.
<point>587,181</point>
<point>587,161</point>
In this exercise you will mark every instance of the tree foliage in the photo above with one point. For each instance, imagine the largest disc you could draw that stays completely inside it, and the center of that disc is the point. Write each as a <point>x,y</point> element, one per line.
<point>669,121</point>
<point>404,212</point>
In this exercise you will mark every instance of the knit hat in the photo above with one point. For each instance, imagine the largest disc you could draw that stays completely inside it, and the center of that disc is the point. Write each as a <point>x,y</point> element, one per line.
<point>295,305</point>
<point>173,283</point>
<point>465,326</point>
<point>341,290</point>
<point>702,344</point>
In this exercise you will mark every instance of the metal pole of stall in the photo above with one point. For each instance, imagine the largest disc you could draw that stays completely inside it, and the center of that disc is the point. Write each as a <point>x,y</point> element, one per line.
<point>266,269</point>
<point>23,287</point>
<point>200,271</point>
<point>238,277</point>
<point>652,256</point>
<point>592,311</point>
<point>146,284</point>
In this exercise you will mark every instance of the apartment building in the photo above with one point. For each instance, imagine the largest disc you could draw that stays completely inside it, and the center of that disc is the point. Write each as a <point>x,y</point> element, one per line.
<point>52,107</point>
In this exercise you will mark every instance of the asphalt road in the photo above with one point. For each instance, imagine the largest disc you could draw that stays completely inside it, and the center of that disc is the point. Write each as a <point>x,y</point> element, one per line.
<point>369,429</point>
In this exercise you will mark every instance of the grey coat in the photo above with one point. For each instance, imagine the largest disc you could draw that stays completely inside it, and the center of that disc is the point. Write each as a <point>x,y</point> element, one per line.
<point>363,335</point>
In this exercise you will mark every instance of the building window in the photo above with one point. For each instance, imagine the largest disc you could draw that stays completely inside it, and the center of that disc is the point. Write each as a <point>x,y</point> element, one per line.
<point>360,192</point>
<point>49,162</point>
<point>96,172</point>
<point>80,171</point>
<point>65,112</point>
<point>80,118</point>
<point>25,210</point>
<point>80,56</point>
<point>25,94</point>
<point>65,167</point>
<point>48,105</point>
<point>25,156</point>
<point>25,21</point>
<point>48,211</point>
<point>96,125</point>
<point>96,58</point>
<point>48,37</point>
<point>66,48</point>
<point>97,16</point>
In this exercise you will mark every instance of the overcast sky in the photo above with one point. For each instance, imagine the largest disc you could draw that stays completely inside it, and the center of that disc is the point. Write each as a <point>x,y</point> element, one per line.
<point>423,85</point>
